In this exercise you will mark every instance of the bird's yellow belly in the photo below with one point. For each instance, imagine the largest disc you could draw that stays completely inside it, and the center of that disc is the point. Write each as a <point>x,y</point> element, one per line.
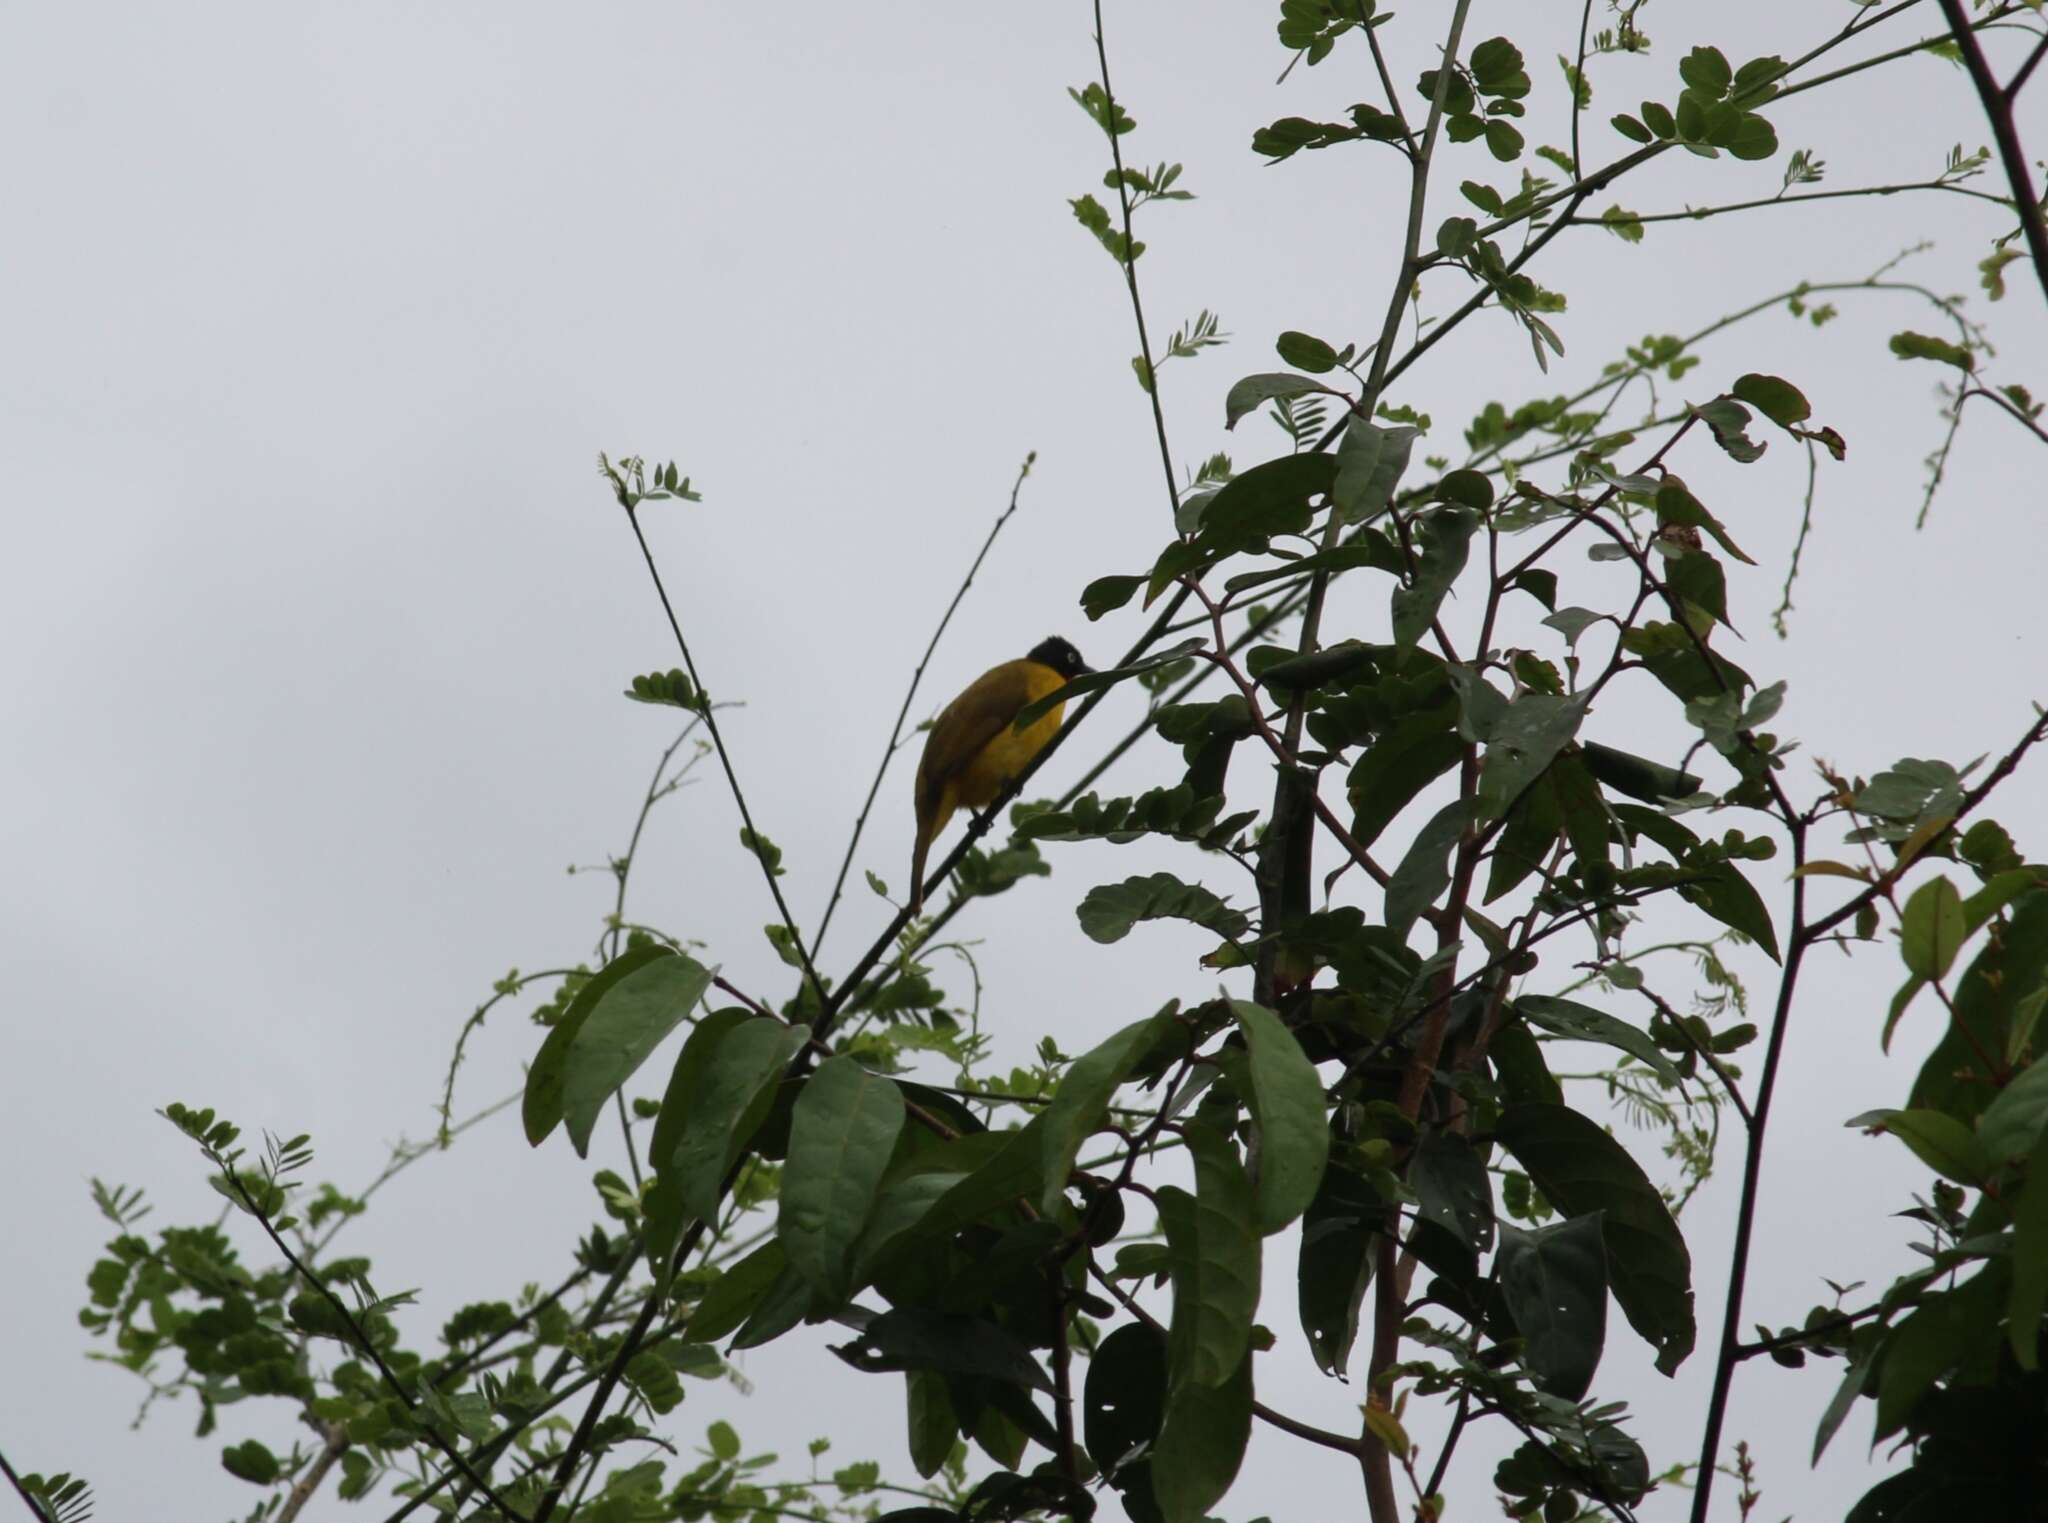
<point>996,763</point>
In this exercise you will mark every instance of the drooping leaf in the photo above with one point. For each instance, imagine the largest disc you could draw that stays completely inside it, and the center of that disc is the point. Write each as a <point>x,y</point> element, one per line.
<point>626,1022</point>
<point>1107,913</point>
<point>1201,1444</point>
<point>1214,1259</point>
<point>1336,1264</point>
<point>1255,391</point>
<point>1425,870</point>
<point>1554,1280</point>
<point>1522,742</point>
<point>1287,1105</point>
<point>1122,1405</point>
<point>730,1095</point>
<point>547,1079</point>
<point>1452,1189</point>
<point>1420,748</point>
<point>841,1136</point>
<point>1581,1169</point>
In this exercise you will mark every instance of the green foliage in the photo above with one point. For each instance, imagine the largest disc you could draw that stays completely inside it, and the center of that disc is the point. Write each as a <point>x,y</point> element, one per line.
<point>1378,1066</point>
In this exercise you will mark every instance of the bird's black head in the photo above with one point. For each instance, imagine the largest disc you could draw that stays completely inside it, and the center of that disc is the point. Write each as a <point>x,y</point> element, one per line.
<point>1060,656</point>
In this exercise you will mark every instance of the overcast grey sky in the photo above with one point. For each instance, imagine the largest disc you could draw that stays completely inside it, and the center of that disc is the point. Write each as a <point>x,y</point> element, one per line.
<point>316,613</point>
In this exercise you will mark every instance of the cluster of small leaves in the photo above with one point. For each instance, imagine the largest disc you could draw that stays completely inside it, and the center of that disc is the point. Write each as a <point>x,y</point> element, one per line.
<point>1482,99</point>
<point>1715,109</point>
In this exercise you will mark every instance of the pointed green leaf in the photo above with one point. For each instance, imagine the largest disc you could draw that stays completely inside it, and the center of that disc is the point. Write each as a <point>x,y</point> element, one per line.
<point>1201,1444</point>
<point>546,1080</point>
<point>841,1136</point>
<point>1293,1139</point>
<point>1215,1262</point>
<point>628,1020</point>
<point>1931,930</point>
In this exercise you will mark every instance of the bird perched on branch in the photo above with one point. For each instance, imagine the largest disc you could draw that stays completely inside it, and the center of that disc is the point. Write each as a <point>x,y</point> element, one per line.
<point>972,752</point>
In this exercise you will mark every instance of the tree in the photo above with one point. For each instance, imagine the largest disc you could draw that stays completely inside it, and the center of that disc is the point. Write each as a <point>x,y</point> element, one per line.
<point>1079,1297</point>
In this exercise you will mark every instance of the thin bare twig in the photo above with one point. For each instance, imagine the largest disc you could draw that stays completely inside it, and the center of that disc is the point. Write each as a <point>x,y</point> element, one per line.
<point>903,713</point>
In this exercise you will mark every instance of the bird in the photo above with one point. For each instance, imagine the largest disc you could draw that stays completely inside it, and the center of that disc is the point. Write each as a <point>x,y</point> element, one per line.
<point>972,752</point>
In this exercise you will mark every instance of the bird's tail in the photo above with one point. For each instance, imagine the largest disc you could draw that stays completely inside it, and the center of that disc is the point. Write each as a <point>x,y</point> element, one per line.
<point>917,856</point>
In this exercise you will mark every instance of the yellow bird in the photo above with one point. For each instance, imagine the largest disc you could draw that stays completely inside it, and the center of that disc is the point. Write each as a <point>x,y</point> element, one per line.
<point>972,752</point>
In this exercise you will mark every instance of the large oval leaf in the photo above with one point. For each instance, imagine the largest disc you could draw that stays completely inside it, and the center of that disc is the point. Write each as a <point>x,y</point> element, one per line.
<point>1581,1169</point>
<point>840,1141</point>
<point>541,1106</point>
<point>1214,1260</point>
<point>1201,1444</point>
<point>628,1020</point>
<point>1287,1105</point>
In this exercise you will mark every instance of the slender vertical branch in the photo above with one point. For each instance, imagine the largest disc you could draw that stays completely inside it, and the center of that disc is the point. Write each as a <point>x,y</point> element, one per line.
<point>1998,106</point>
<point>903,713</point>
<point>1390,330</point>
<point>710,717</point>
<point>1130,264</point>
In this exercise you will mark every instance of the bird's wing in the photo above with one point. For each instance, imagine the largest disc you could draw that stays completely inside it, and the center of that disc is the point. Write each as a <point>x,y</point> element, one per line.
<point>988,707</point>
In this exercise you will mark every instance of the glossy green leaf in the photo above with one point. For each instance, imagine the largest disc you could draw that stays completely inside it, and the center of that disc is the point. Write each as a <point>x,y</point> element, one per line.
<point>1581,1169</point>
<point>1214,1257</point>
<point>1081,1102</point>
<point>1425,870</point>
<point>1569,1018</point>
<point>1293,1138</point>
<point>1201,1444</point>
<point>841,1136</point>
<point>1451,1188</point>
<point>726,1104</point>
<point>785,1303</point>
<point>627,1021</point>
<point>1107,913</point>
<point>1931,930</point>
<point>1420,748</point>
<point>1123,1403</point>
<point>932,1427</point>
<point>547,1079</point>
<point>1554,1281</point>
<point>1336,1264</point>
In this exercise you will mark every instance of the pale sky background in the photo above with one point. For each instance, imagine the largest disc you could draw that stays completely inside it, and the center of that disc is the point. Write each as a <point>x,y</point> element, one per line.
<point>316,613</point>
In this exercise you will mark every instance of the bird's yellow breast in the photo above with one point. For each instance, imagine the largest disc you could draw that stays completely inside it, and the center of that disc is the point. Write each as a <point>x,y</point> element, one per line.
<point>1011,750</point>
